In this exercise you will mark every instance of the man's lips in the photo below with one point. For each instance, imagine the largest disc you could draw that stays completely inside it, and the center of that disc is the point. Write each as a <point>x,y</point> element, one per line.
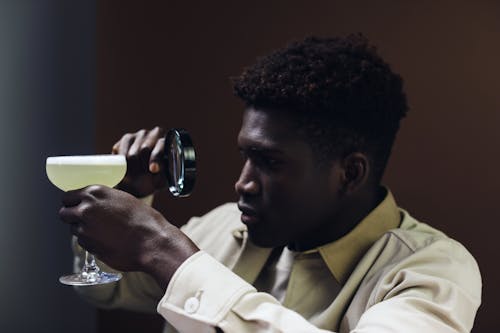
<point>248,214</point>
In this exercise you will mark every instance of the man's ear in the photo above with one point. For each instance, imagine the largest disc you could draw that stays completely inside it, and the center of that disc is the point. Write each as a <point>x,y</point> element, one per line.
<point>355,172</point>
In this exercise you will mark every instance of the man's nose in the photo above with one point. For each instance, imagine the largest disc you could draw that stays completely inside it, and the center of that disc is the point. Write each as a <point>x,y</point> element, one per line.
<point>247,182</point>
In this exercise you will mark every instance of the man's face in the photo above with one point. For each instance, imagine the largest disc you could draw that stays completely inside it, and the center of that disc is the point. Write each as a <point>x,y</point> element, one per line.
<point>284,196</point>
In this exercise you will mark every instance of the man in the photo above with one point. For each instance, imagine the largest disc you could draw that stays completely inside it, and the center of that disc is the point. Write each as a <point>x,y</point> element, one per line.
<point>315,243</point>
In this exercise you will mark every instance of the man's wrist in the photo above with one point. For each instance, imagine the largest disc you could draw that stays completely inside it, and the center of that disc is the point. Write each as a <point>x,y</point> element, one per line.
<point>167,257</point>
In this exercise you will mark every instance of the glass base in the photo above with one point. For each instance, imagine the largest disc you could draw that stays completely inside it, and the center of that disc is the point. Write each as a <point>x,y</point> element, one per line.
<point>89,279</point>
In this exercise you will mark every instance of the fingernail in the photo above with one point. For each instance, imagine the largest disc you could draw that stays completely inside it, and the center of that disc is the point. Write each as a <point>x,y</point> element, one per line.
<point>154,167</point>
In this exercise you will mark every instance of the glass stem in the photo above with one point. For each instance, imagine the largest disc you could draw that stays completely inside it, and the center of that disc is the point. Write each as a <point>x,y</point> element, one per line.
<point>90,266</point>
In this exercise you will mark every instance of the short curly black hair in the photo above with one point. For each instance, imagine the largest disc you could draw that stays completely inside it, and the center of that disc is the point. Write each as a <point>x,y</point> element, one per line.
<point>344,96</point>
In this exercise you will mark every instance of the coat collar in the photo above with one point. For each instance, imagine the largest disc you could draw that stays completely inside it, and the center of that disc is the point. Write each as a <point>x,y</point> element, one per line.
<point>340,256</point>
<point>251,258</point>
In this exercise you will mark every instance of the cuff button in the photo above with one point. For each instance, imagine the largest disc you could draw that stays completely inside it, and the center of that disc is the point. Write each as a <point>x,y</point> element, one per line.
<point>191,305</point>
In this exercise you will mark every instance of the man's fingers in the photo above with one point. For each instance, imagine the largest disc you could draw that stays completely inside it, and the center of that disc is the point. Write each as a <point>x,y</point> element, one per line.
<point>124,144</point>
<point>82,212</point>
<point>159,180</point>
<point>72,198</point>
<point>154,145</point>
<point>76,229</point>
<point>86,244</point>
<point>70,215</point>
<point>153,136</point>
<point>115,148</point>
<point>156,159</point>
<point>89,193</point>
<point>136,147</point>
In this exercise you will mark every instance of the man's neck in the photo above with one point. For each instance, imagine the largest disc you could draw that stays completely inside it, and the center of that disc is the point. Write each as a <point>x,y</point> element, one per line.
<point>351,214</point>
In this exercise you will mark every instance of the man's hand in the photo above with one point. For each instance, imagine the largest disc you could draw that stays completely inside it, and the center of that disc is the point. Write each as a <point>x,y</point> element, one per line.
<point>125,233</point>
<point>145,166</point>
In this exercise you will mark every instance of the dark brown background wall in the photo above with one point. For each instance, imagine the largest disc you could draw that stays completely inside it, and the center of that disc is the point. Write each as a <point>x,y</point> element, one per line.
<point>168,63</point>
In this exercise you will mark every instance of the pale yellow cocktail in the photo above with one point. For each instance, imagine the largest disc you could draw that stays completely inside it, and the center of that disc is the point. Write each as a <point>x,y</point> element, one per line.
<point>75,172</point>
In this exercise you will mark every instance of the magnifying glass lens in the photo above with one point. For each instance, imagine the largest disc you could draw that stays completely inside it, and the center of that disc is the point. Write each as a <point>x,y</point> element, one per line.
<point>176,166</point>
<point>180,158</point>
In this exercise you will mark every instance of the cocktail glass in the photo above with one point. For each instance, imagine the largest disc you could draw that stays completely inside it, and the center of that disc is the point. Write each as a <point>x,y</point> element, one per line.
<point>75,172</point>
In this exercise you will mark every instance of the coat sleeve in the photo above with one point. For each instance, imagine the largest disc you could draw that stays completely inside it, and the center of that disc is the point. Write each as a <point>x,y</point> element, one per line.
<point>437,289</point>
<point>138,291</point>
<point>204,294</point>
<point>424,294</point>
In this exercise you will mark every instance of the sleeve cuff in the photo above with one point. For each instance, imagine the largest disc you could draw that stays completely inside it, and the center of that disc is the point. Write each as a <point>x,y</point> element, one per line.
<point>201,293</point>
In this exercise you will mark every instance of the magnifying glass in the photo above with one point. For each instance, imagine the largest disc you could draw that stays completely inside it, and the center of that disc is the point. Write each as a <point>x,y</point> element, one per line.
<point>181,162</point>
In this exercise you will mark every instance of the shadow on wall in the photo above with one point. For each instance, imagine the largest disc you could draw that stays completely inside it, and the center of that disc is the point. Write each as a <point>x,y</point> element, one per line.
<point>47,89</point>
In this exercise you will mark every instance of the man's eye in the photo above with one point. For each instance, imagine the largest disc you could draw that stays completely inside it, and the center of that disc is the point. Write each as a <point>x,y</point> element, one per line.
<point>261,160</point>
<point>271,161</point>
<point>244,155</point>
<point>267,162</point>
